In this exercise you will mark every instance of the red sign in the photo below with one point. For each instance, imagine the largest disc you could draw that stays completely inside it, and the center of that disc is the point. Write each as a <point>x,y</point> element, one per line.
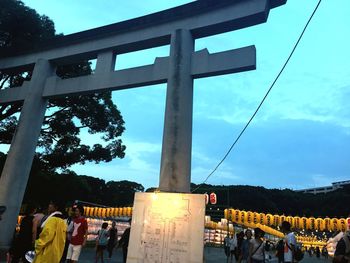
<point>213,199</point>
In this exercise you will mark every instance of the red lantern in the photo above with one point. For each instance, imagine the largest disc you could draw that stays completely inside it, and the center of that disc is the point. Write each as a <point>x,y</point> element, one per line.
<point>213,199</point>
<point>206,198</point>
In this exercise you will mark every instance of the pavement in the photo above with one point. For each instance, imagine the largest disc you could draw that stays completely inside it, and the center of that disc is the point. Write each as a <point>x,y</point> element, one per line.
<point>211,255</point>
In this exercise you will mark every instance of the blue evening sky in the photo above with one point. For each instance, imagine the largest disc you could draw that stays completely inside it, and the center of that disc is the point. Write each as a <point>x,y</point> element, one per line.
<point>299,139</point>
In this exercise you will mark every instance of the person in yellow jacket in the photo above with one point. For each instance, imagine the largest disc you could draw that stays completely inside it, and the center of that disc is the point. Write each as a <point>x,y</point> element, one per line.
<point>50,244</point>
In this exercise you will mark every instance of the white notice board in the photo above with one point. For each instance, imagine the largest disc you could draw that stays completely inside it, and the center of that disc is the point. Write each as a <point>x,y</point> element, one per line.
<point>167,228</point>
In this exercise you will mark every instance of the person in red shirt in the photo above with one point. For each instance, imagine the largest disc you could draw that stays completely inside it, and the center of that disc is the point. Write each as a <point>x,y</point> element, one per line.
<point>79,235</point>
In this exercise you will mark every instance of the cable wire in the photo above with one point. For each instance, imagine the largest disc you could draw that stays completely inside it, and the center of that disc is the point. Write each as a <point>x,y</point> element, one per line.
<point>263,100</point>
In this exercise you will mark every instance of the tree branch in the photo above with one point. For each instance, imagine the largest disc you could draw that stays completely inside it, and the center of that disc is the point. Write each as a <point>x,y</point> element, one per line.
<point>13,109</point>
<point>4,81</point>
<point>55,113</point>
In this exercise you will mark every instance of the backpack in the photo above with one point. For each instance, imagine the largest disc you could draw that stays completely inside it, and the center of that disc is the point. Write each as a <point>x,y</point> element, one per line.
<point>298,253</point>
<point>102,237</point>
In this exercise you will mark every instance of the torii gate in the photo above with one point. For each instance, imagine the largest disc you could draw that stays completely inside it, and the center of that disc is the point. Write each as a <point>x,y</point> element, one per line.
<point>178,27</point>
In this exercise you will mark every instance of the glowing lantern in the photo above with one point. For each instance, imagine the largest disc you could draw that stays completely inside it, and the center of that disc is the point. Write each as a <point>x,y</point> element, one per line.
<point>276,220</point>
<point>297,222</point>
<point>327,224</point>
<point>334,224</point>
<point>129,211</point>
<point>304,222</point>
<point>262,218</point>
<point>269,219</point>
<point>213,199</point>
<point>249,217</point>
<point>115,211</point>
<point>319,224</point>
<point>256,218</point>
<point>311,223</point>
<point>86,210</point>
<point>342,224</point>
<point>282,219</point>
<point>243,217</point>
<point>290,219</point>
<point>236,216</point>
<point>226,214</point>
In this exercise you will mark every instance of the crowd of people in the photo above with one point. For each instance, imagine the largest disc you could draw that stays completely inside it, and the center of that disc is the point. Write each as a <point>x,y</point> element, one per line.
<point>57,237</point>
<point>246,247</point>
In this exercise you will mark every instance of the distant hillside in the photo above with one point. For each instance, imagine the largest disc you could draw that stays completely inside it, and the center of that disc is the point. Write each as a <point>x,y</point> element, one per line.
<point>288,202</point>
<point>68,186</point>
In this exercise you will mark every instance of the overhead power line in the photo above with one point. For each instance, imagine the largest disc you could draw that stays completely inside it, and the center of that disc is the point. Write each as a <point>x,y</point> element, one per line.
<point>263,100</point>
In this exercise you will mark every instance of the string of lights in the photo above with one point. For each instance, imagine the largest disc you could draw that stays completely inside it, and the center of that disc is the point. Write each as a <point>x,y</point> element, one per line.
<point>263,99</point>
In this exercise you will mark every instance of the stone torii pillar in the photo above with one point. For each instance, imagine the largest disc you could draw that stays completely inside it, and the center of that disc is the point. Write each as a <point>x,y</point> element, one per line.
<point>175,170</point>
<point>20,156</point>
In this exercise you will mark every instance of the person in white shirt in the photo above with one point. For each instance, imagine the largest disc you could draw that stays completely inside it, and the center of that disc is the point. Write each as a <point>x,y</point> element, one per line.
<point>289,242</point>
<point>257,247</point>
<point>233,246</point>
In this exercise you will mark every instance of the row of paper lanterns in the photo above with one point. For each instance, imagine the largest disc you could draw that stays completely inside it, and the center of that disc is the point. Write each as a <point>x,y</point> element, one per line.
<point>305,240</point>
<point>107,212</point>
<point>311,223</point>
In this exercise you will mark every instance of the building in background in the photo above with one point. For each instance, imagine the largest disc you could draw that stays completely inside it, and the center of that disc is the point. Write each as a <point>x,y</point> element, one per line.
<point>325,189</point>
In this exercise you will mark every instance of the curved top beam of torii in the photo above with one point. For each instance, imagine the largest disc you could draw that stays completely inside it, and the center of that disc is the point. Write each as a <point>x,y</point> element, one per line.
<point>202,18</point>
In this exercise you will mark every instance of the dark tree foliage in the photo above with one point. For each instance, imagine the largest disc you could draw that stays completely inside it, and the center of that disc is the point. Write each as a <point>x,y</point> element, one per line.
<point>288,202</point>
<point>21,28</point>
<point>68,187</point>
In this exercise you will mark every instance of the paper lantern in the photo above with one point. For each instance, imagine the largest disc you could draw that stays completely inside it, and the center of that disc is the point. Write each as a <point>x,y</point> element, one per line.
<point>256,218</point>
<point>276,220</point>
<point>290,220</point>
<point>297,222</point>
<point>213,199</point>
<point>129,212</point>
<point>311,223</point>
<point>262,219</point>
<point>282,218</point>
<point>320,224</point>
<point>303,223</point>
<point>249,217</point>
<point>327,224</point>
<point>269,220</point>
<point>226,212</point>
<point>236,216</point>
<point>104,212</point>
<point>334,224</point>
<point>243,217</point>
<point>86,210</point>
<point>342,224</point>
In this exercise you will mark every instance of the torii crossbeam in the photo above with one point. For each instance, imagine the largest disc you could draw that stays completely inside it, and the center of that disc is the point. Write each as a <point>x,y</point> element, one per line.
<point>178,27</point>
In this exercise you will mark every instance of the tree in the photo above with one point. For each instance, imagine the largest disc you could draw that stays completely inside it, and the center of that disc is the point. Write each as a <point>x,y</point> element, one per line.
<point>22,28</point>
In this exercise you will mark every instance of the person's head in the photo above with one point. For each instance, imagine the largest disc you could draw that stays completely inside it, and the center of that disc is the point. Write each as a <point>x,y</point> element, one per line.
<point>248,233</point>
<point>53,207</point>
<point>113,224</point>
<point>285,227</point>
<point>30,210</point>
<point>79,211</point>
<point>39,209</point>
<point>104,225</point>
<point>258,233</point>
